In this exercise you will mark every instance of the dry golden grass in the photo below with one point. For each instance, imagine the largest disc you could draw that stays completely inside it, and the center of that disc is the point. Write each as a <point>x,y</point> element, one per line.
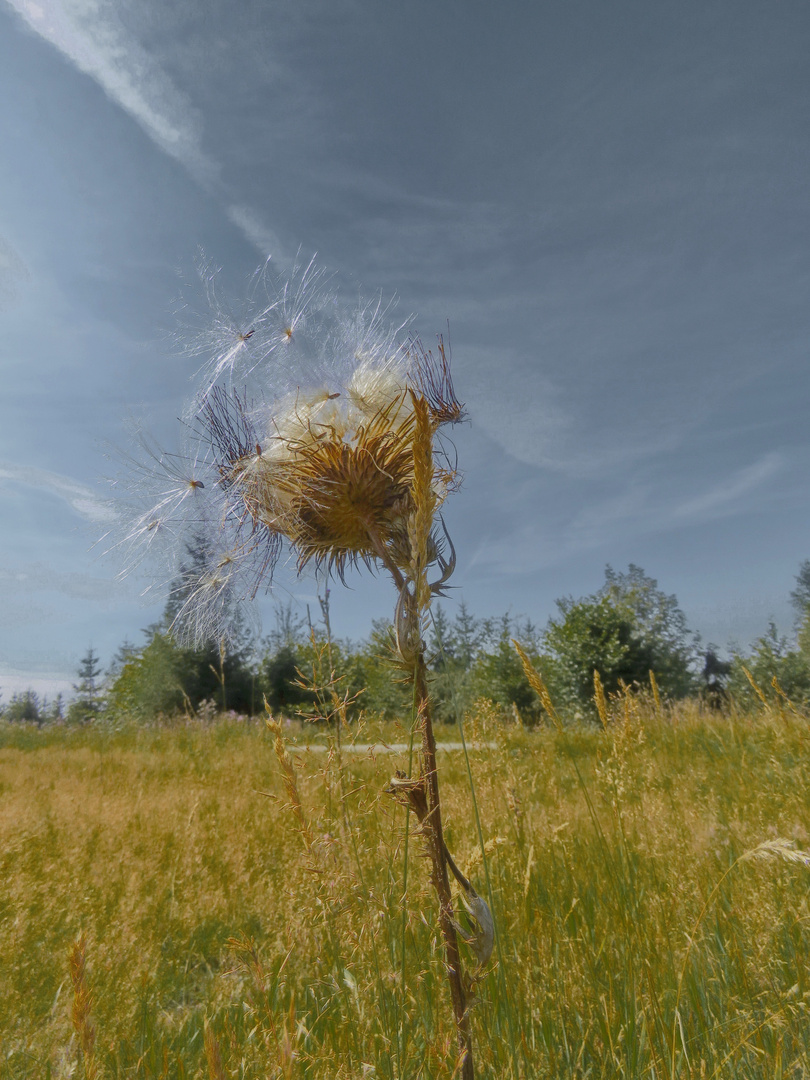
<point>219,943</point>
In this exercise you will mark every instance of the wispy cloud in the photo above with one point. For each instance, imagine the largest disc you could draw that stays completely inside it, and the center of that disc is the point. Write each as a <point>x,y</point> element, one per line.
<point>519,408</point>
<point>90,34</point>
<point>82,499</point>
<point>263,238</point>
<point>637,511</point>
<point>39,577</point>
<point>541,418</point>
<point>726,497</point>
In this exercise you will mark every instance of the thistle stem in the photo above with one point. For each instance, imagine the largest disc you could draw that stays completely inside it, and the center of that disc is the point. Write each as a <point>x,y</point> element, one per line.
<point>438,860</point>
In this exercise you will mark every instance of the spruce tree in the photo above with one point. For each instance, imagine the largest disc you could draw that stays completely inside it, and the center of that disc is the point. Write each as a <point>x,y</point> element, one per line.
<point>24,708</point>
<point>88,702</point>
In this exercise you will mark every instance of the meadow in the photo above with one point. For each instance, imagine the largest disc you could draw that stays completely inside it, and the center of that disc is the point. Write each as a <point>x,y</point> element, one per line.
<point>240,920</point>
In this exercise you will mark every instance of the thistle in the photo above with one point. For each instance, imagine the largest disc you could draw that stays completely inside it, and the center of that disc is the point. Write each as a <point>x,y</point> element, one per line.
<point>324,436</point>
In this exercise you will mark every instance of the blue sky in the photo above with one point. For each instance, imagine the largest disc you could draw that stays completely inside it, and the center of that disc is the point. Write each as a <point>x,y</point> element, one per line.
<point>607,202</point>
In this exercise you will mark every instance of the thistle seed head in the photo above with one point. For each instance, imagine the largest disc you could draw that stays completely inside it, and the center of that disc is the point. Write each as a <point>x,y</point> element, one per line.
<point>323,439</point>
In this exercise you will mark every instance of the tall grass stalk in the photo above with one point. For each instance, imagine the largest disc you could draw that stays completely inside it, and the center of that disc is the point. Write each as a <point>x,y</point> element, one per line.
<point>502,977</point>
<point>82,1003</point>
<point>336,717</point>
<point>401,1043</point>
<point>779,848</point>
<point>631,915</point>
<point>505,999</point>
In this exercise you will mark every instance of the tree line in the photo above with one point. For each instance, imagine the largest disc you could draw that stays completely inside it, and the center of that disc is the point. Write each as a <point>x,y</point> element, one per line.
<point>628,628</point>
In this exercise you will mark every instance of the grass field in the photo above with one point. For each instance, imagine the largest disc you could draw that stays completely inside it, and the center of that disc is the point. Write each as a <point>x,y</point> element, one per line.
<point>230,933</point>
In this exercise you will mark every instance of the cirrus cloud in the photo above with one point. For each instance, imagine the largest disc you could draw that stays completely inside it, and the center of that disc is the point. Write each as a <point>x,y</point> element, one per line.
<point>86,502</point>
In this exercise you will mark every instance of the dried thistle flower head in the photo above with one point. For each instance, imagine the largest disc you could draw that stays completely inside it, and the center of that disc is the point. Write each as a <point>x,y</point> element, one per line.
<point>317,445</point>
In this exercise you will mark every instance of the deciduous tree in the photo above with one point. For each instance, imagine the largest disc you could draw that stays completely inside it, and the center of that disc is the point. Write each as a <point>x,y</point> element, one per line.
<point>625,630</point>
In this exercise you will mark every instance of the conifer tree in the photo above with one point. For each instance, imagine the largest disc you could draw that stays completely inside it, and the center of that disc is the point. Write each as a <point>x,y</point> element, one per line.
<point>88,703</point>
<point>24,708</point>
